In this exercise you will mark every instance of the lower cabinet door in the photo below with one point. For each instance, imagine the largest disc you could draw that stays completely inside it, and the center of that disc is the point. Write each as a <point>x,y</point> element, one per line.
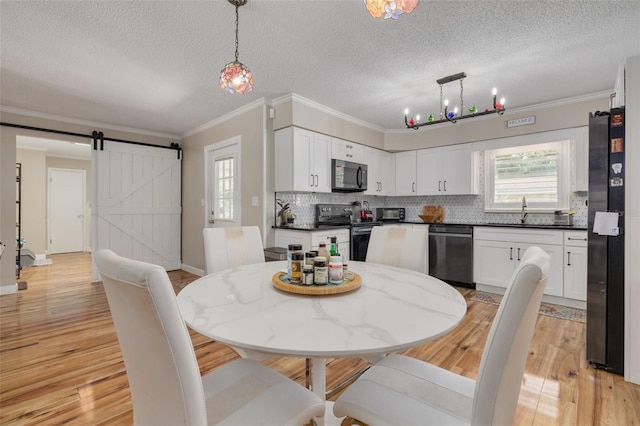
<point>554,285</point>
<point>493,262</point>
<point>575,273</point>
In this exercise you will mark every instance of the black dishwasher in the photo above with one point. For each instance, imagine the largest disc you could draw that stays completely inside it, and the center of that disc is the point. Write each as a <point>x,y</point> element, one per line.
<point>451,253</point>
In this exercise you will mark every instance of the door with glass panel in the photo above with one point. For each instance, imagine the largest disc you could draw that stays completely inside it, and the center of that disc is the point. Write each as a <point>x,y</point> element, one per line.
<point>222,205</point>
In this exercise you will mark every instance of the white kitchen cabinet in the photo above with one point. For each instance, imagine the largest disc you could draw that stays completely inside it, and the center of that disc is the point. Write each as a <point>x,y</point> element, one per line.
<point>310,240</point>
<point>575,265</point>
<point>381,172</point>
<point>405,173</point>
<point>497,251</point>
<point>581,152</point>
<point>303,161</point>
<point>347,151</point>
<point>447,171</point>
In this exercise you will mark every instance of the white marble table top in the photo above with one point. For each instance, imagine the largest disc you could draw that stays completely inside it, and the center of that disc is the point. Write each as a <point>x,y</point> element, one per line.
<point>394,309</point>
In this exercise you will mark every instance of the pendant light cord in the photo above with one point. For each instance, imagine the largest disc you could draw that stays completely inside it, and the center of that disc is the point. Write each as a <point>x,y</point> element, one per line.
<point>236,32</point>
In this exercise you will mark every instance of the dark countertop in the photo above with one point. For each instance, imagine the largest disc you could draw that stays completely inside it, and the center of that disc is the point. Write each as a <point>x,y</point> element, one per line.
<point>310,228</point>
<point>508,225</point>
<point>496,225</point>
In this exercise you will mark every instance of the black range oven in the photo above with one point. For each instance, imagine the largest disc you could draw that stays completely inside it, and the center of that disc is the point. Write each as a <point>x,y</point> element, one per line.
<point>360,235</point>
<point>328,215</point>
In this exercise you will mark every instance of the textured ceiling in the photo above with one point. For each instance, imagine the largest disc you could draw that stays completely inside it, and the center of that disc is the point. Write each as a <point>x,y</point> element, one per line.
<point>154,66</point>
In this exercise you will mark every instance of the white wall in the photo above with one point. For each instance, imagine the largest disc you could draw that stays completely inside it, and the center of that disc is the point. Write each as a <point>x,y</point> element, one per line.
<point>632,220</point>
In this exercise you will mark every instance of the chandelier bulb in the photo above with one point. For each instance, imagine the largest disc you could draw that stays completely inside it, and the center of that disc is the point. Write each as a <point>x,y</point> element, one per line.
<point>502,101</point>
<point>494,91</point>
<point>417,118</point>
<point>446,102</point>
<point>406,111</point>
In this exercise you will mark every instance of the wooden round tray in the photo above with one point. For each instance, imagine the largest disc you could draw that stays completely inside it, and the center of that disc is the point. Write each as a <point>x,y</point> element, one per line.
<point>281,281</point>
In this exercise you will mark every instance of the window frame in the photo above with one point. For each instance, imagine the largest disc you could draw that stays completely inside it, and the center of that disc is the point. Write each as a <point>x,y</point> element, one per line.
<point>563,146</point>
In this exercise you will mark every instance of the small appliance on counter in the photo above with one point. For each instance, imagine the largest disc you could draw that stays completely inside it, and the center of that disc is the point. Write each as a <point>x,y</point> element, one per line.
<point>390,214</point>
<point>356,212</point>
<point>564,219</point>
<point>366,215</point>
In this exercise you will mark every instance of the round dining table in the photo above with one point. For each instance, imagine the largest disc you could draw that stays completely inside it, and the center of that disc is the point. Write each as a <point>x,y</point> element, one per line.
<point>392,310</point>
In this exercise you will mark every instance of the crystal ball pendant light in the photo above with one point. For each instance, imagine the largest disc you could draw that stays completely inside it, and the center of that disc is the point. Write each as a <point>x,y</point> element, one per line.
<point>236,77</point>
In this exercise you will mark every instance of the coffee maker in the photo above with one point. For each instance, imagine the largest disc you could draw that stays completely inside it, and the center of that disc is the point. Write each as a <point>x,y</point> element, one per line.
<point>356,212</point>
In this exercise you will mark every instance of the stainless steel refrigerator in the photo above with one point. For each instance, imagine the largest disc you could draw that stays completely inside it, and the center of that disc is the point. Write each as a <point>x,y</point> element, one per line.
<point>605,277</point>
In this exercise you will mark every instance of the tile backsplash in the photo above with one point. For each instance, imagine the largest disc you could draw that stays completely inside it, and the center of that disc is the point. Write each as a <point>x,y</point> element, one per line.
<point>457,208</point>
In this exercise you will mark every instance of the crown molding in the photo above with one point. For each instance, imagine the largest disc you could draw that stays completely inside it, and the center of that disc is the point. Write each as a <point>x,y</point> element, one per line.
<point>520,110</point>
<point>226,117</point>
<point>330,111</point>
<point>86,123</point>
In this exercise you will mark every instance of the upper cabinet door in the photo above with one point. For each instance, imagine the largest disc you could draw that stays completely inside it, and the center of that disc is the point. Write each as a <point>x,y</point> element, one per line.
<point>460,169</point>
<point>581,158</point>
<point>320,162</point>
<point>347,151</point>
<point>448,171</point>
<point>429,172</point>
<point>380,172</point>
<point>406,173</point>
<point>303,161</point>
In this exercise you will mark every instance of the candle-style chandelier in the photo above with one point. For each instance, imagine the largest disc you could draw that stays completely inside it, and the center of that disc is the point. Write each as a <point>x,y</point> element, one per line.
<point>456,114</point>
<point>236,77</point>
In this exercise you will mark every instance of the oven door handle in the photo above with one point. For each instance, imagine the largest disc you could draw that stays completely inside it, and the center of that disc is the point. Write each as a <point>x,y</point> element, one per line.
<point>446,234</point>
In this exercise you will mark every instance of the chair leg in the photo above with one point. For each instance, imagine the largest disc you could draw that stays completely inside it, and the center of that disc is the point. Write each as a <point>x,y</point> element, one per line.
<point>346,382</point>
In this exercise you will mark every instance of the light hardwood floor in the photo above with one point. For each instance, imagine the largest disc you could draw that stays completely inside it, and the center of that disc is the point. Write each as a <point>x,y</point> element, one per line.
<point>60,362</point>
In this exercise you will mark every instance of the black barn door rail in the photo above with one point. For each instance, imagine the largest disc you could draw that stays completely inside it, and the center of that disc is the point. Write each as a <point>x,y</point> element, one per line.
<point>96,136</point>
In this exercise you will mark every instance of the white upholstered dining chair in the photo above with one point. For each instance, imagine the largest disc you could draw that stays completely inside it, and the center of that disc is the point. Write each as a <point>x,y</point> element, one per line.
<point>162,369</point>
<point>400,390</point>
<point>230,247</point>
<point>399,246</point>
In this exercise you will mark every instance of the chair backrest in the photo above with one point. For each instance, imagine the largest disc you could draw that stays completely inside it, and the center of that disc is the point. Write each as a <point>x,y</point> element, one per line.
<point>505,353</point>
<point>230,247</point>
<point>164,377</point>
<point>398,246</point>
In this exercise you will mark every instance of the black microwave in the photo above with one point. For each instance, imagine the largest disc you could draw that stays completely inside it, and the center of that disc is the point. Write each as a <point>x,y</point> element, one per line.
<point>391,214</point>
<point>348,177</point>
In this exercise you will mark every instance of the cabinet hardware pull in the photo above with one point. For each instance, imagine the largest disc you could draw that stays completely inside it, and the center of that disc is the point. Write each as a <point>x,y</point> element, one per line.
<point>577,239</point>
<point>444,186</point>
<point>568,258</point>
<point>439,188</point>
<point>317,181</point>
<point>413,187</point>
<point>518,254</point>
<point>510,253</point>
<point>312,180</point>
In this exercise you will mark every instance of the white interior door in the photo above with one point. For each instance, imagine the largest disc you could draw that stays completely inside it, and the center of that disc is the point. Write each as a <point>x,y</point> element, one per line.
<point>137,203</point>
<point>66,205</point>
<point>222,183</point>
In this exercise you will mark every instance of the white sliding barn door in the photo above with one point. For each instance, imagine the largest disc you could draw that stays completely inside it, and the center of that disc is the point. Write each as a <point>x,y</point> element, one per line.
<point>137,203</point>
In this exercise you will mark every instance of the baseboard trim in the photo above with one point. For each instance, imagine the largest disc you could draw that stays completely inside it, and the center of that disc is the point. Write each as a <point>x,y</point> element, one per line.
<point>192,270</point>
<point>8,289</point>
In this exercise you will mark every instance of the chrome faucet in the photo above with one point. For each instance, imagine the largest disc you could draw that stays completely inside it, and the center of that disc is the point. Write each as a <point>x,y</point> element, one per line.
<point>523,214</point>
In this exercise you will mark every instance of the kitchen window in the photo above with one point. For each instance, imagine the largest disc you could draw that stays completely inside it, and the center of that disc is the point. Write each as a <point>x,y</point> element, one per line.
<point>539,172</point>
